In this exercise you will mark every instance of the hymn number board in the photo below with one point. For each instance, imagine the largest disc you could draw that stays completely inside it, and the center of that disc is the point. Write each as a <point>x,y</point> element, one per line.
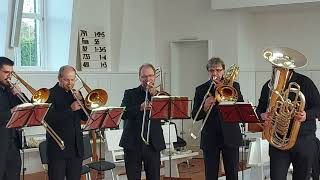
<point>94,51</point>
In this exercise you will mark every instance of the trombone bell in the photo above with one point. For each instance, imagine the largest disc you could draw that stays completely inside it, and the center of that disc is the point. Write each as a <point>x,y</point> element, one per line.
<point>41,95</point>
<point>96,98</point>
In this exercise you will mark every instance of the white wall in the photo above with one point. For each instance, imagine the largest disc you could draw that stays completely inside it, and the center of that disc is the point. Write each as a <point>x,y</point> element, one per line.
<point>230,4</point>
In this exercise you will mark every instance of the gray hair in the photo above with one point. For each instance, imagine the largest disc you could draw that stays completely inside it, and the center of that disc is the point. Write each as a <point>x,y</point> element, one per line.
<point>63,68</point>
<point>215,61</point>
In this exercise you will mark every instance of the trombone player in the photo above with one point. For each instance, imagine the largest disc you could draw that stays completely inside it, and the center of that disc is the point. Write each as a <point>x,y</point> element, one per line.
<point>10,140</point>
<point>136,150</point>
<point>217,136</point>
<point>64,117</point>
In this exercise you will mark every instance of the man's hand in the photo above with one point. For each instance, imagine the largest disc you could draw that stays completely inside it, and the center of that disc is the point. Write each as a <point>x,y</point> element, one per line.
<point>75,106</point>
<point>146,105</point>
<point>15,90</point>
<point>210,101</point>
<point>77,94</point>
<point>266,117</point>
<point>300,116</point>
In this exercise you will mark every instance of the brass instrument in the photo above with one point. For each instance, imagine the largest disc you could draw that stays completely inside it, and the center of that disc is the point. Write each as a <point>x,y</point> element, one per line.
<point>282,130</point>
<point>95,98</point>
<point>225,93</point>
<point>151,87</point>
<point>39,96</point>
<point>161,91</point>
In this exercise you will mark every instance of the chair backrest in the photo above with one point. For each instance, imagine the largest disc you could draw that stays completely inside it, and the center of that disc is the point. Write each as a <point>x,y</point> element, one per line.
<point>112,145</point>
<point>113,138</point>
<point>87,148</point>
<point>43,152</point>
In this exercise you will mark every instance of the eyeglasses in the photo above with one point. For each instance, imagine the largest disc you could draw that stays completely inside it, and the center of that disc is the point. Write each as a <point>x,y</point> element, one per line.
<point>215,70</point>
<point>147,76</point>
<point>7,72</point>
<point>69,80</point>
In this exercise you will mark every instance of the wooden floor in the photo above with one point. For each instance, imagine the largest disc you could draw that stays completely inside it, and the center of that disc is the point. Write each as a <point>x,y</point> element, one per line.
<point>193,171</point>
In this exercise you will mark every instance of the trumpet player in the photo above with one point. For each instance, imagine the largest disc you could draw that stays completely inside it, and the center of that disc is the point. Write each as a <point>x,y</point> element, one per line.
<point>136,151</point>
<point>10,139</point>
<point>217,136</point>
<point>64,117</point>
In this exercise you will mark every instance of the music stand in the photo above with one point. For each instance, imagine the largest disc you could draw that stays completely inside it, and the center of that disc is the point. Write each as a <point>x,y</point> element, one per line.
<point>168,108</point>
<point>239,112</point>
<point>27,115</point>
<point>104,117</point>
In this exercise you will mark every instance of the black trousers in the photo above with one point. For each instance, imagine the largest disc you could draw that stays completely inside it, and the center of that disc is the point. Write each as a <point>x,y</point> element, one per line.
<point>151,162</point>
<point>230,156</point>
<point>10,164</point>
<point>301,156</point>
<point>61,168</point>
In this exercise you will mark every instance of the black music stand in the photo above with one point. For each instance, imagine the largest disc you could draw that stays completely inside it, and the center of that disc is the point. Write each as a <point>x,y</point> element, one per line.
<point>239,112</point>
<point>104,117</point>
<point>168,108</point>
<point>27,115</point>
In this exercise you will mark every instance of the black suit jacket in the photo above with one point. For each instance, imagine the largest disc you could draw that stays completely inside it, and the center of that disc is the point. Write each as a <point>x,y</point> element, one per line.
<point>66,123</point>
<point>132,117</point>
<point>7,136</point>
<point>216,131</point>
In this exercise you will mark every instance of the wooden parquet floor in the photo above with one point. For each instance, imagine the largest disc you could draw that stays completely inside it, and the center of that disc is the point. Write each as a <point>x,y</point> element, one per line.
<point>193,171</point>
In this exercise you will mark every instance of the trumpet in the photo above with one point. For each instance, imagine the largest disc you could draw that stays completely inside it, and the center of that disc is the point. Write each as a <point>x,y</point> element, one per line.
<point>39,96</point>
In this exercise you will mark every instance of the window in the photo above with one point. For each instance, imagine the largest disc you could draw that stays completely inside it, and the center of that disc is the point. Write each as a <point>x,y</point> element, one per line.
<point>30,53</point>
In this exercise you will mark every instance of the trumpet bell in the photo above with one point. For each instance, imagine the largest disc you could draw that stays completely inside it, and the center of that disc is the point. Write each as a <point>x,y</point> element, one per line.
<point>96,98</point>
<point>41,95</point>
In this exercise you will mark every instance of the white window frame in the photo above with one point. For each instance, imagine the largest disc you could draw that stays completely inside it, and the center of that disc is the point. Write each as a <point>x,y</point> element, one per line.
<point>42,39</point>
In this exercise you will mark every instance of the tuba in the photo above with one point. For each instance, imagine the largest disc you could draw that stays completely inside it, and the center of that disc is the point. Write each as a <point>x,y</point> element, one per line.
<point>225,93</point>
<point>282,130</point>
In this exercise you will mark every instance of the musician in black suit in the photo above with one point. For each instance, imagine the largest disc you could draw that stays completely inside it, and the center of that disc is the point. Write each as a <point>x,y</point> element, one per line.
<point>217,136</point>
<point>136,150</point>
<point>303,154</point>
<point>10,142</point>
<point>64,117</point>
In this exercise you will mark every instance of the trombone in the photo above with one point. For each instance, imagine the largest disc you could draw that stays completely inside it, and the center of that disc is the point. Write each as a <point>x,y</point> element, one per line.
<point>224,93</point>
<point>192,134</point>
<point>39,96</point>
<point>160,92</point>
<point>94,99</point>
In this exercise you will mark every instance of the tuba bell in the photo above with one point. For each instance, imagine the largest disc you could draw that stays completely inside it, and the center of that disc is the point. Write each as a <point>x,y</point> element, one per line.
<point>282,130</point>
